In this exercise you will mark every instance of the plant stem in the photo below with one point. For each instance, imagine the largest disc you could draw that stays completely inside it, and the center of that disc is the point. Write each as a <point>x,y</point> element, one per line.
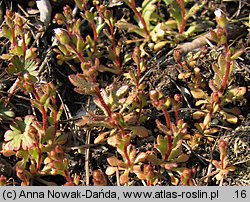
<point>81,58</point>
<point>43,111</point>
<point>170,145</point>
<point>166,115</point>
<point>53,100</point>
<point>183,22</point>
<point>11,91</point>
<point>100,98</point>
<point>39,157</point>
<point>95,35</point>
<point>68,178</point>
<point>137,95</point>
<point>138,14</point>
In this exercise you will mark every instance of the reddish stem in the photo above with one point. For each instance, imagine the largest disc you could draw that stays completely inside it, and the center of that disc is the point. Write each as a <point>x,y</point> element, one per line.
<point>92,26</point>
<point>139,113</point>
<point>168,122</point>
<point>39,157</point>
<point>43,111</point>
<point>166,115</point>
<point>170,145</point>
<point>81,58</point>
<point>138,14</point>
<point>222,162</point>
<point>126,155</point>
<point>125,145</point>
<point>183,22</point>
<point>95,35</point>
<point>68,178</point>
<point>55,116</point>
<point>100,98</point>
<point>11,91</point>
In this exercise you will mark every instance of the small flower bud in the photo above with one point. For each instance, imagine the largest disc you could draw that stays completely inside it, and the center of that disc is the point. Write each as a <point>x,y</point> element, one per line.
<point>220,19</point>
<point>177,55</point>
<point>99,178</point>
<point>154,95</point>
<point>223,146</point>
<point>62,36</point>
<point>102,8</point>
<point>3,180</point>
<point>59,18</point>
<point>107,14</point>
<point>177,98</point>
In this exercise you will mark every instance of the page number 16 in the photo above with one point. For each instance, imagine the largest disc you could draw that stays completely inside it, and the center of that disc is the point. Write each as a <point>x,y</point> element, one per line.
<point>241,194</point>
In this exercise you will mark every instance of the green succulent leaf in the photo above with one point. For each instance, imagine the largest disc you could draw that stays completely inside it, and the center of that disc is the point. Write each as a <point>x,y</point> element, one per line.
<point>162,145</point>
<point>124,25</point>
<point>175,12</point>
<point>168,2</point>
<point>148,11</point>
<point>175,152</point>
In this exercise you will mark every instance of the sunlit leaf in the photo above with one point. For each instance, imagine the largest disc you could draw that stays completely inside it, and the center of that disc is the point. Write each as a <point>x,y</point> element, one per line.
<point>198,93</point>
<point>20,135</point>
<point>140,157</point>
<point>139,131</point>
<point>124,25</point>
<point>101,137</point>
<point>229,117</point>
<point>198,115</point>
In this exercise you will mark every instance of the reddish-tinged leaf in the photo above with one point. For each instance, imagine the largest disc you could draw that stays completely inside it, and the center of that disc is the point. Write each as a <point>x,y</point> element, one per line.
<point>163,128</point>
<point>113,161</point>
<point>140,175</point>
